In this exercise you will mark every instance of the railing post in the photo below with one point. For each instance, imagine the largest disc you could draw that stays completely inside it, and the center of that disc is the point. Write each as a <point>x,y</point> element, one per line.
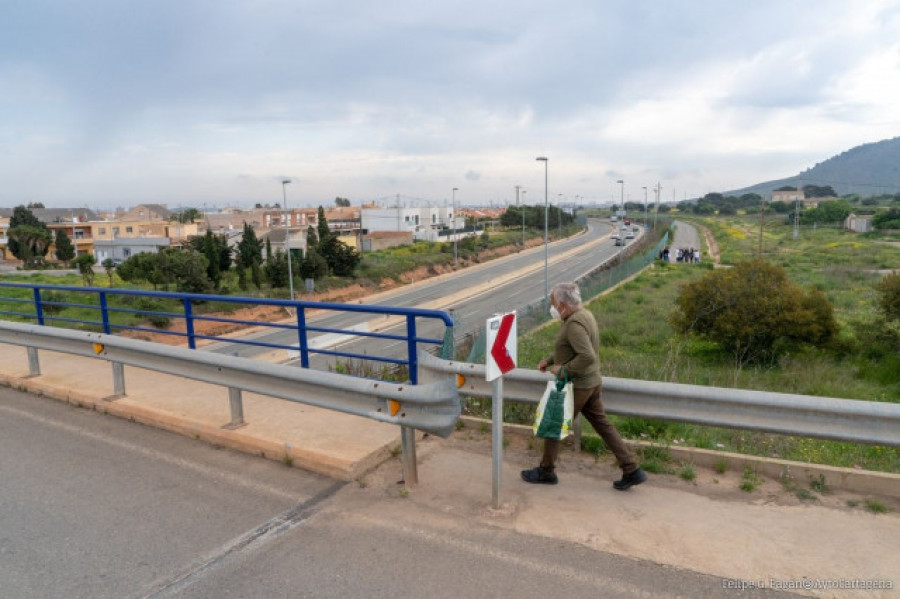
<point>34,364</point>
<point>411,349</point>
<point>38,307</point>
<point>189,322</point>
<point>408,449</point>
<point>301,337</point>
<point>104,313</point>
<point>235,399</point>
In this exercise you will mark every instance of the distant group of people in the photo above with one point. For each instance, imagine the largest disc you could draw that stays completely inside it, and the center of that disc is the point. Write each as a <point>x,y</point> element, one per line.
<point>681,255</point>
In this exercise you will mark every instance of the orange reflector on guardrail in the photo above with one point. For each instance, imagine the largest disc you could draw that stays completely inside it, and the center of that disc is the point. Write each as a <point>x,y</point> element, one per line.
<point>460,381</point>
<point>395,406</point>
<point>98,348</point>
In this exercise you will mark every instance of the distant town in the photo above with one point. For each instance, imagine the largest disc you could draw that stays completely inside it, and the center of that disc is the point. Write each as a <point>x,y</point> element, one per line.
<point>146,228</point>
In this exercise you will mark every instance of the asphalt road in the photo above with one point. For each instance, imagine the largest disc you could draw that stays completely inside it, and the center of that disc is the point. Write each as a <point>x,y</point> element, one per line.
<point>471,311</point>
<point>93,506</point>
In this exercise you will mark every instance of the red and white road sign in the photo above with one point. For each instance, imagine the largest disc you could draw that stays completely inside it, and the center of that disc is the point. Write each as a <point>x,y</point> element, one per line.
<point>502,345</point>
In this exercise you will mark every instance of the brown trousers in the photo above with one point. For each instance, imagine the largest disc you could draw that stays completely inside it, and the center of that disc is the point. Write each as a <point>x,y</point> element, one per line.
<point>587,402</point>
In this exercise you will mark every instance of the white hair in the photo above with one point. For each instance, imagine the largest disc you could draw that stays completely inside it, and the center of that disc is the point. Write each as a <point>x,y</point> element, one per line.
<point>567,293</point>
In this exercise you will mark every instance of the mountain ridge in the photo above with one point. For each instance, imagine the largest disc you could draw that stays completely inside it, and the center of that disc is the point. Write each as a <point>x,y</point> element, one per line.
<point>867,169</point>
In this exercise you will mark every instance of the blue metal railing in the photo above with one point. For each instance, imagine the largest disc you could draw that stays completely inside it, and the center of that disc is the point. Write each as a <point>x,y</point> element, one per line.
<point>41,302</point>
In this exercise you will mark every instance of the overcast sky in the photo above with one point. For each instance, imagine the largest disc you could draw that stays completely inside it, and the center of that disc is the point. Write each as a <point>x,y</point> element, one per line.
<point>111,103</point>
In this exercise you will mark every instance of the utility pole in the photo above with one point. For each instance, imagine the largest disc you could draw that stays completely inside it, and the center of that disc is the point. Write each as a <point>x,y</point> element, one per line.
<point>523,214</point>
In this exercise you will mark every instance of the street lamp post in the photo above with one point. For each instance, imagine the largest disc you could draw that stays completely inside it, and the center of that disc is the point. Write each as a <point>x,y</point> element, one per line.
<point>455,254</point>
<point>622,184</point>
<point>645,206</point>
<point>287,236</point>
<point>523,217</point>
<point>546,162</point>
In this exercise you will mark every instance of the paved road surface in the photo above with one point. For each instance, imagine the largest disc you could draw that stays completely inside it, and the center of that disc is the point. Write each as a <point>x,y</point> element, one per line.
<point>93,506</point>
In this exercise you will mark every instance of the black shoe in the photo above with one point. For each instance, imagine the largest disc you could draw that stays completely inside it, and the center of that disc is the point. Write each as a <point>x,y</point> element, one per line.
<point>539,476</point>
<point>629,480</point>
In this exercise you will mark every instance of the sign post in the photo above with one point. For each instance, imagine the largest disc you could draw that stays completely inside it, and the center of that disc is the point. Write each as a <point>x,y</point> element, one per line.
<point>502,353</point>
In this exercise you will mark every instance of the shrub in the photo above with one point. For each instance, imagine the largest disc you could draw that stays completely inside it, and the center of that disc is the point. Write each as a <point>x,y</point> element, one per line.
<point>889,296</point>
<point>754,311</point>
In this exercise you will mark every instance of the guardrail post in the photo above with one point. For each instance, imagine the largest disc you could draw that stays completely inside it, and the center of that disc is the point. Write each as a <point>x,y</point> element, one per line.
<point>497,440</point>
<point>118,370</point>
<point>189,322</point>
<point>408,448</point>
<point>34,364</point>
<point>235,399</point>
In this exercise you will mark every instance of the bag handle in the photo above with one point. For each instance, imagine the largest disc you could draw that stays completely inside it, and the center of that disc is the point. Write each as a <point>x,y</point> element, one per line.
<point>563,377</point>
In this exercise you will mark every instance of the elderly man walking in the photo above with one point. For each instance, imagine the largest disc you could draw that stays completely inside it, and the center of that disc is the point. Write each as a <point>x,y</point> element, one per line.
<point>577,349</point>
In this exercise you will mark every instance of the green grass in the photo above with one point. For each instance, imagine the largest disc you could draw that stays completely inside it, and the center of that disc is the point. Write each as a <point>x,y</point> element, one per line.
<point>637,341</point>
<point>750,480</point>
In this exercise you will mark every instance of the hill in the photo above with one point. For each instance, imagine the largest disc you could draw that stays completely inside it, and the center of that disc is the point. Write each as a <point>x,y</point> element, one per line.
<point>869,169</point>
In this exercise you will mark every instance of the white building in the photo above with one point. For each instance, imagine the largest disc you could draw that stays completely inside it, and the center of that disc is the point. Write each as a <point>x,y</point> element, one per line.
<point>424,222</point>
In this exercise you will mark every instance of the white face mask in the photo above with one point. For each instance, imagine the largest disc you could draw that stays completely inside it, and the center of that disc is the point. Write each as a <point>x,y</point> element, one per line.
<point>554,312</point>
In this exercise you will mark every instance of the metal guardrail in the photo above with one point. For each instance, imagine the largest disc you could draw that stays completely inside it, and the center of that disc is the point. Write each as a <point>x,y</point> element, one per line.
<point>830,418</point>
<point>432,407</point>
<point>41,301</point>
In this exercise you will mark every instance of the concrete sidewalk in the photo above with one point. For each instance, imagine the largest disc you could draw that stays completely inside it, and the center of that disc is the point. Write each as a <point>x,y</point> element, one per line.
<point>766,538</point>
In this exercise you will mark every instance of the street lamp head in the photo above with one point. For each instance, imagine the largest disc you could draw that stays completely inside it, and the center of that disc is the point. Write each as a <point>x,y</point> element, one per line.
<point>542,158</point>
<point>620,181</point>
<point>285,182</point>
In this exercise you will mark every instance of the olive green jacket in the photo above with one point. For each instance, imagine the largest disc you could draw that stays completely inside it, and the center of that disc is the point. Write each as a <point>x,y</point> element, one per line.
<point>577,347</point>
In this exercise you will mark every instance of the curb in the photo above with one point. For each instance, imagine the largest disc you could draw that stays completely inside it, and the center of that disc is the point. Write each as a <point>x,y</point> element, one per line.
<point>846,479</point>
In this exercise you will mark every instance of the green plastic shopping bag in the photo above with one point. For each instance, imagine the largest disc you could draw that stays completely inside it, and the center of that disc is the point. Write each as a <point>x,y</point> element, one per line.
<point>553,419</point>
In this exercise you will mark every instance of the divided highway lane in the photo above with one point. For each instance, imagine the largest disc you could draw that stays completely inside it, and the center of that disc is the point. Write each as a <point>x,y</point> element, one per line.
<point>587,251</point>
<point>472,310</point>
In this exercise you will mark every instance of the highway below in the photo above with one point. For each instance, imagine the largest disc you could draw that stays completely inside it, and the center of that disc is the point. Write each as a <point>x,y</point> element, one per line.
<point>473,294</point>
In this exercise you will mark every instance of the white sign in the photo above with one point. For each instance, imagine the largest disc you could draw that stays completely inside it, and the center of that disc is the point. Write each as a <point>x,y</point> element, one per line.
<point>501,340</point>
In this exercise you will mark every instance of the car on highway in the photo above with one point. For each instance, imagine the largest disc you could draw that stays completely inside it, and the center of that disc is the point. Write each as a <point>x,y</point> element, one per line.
<point>618,240</point>
<point>629,235</point>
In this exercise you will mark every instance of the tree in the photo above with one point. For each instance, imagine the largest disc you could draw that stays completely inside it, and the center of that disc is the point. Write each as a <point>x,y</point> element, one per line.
<point>187,215</point>
<point>816,191</point>
<point>109,266</point>
<point>888,290</point>
<point>322,226</point>
<point>185,268</point>
<point>313,266</point>
<point>65,251</point>
<point>210,246</point>
<point>85,264</point>
<point>32,239</point>
<point>754,311</point>
<point>31,243</point>
<point>37,205</point>
<point>276,269</point>
<point>312,240</point>
<point>342,202</point>
<point>341,259</point>
<point>827,212</point>
<point>889,219</point>
<point>249,250</point>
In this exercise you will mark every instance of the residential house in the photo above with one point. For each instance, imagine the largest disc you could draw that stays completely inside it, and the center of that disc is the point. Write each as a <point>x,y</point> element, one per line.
<point>148,212</point>
<point>122,248</point>
<point>787,195</point>
<point>858,224</point>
